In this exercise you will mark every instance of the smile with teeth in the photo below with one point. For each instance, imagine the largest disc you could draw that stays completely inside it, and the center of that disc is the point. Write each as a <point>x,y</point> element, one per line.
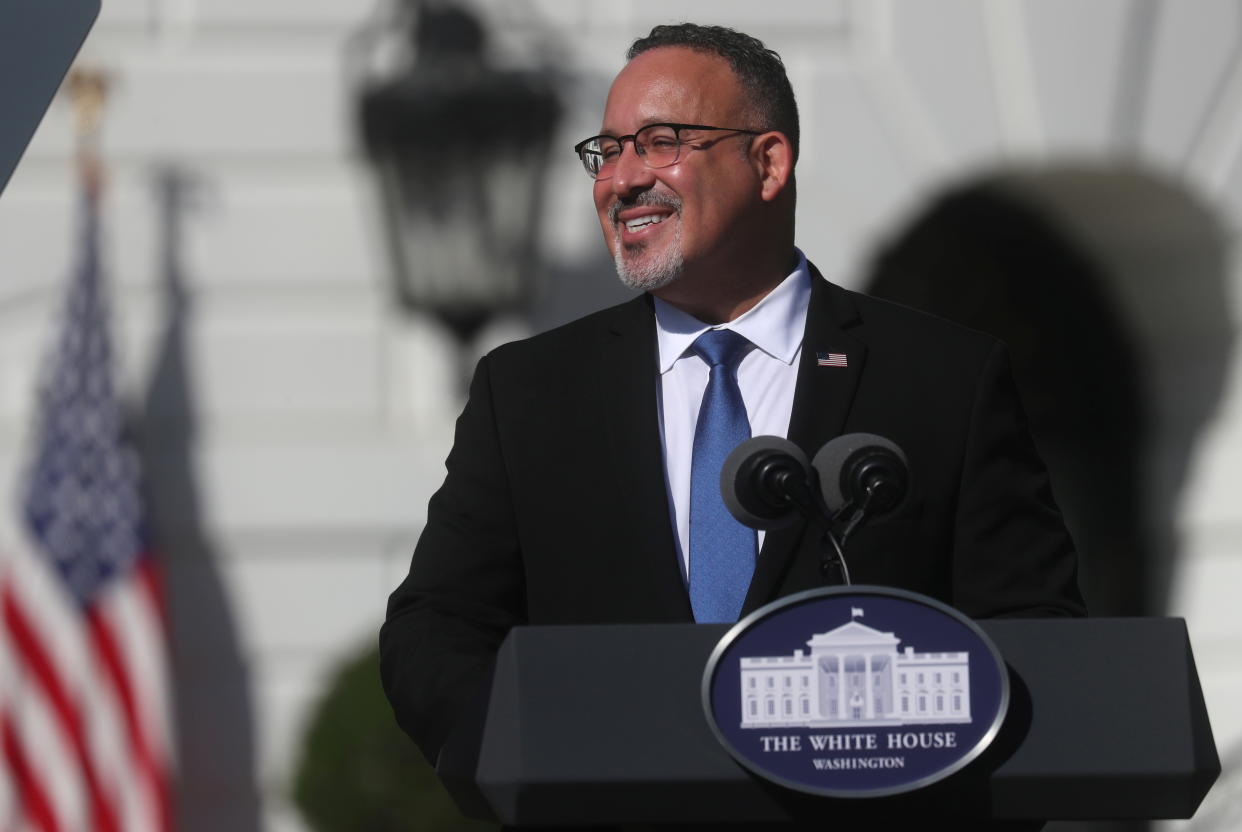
<point>644,221</point>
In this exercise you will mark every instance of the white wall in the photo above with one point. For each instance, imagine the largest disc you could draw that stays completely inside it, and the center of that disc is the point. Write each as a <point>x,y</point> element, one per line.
<point>323,417</point>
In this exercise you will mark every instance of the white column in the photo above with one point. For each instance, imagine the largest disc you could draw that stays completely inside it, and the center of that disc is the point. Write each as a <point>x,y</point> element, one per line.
<point>841,686</point>
<point>870,707</point>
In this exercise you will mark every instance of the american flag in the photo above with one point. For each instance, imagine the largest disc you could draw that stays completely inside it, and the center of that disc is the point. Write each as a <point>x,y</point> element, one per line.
<point>830,359</point>
<point>85,727</point>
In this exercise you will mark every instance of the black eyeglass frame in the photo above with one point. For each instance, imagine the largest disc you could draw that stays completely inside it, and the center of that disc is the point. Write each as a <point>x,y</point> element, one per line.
<point>579,148</point>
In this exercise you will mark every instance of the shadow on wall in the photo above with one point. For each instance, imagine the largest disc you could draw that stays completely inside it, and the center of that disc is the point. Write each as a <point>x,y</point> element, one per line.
<point>214,722</point>
<point>1109,285</point>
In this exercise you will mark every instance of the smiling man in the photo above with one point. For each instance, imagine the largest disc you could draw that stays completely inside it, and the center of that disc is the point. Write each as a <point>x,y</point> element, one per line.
<point>582,487</point>
<point>701,213</point>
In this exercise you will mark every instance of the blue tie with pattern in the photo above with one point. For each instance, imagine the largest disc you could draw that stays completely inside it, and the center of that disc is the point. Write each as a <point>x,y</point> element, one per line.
<point>722,550</point>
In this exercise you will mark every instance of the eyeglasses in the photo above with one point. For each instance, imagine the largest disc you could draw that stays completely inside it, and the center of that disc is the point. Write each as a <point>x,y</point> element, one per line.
<point>658,145</point>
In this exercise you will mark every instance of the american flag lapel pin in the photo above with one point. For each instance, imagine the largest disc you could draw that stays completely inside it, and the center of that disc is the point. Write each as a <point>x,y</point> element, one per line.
<point>831,359</point>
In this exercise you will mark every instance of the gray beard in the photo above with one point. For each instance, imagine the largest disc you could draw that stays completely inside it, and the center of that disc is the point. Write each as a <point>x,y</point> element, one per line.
<point>649,274</point>
<point>646,275</point>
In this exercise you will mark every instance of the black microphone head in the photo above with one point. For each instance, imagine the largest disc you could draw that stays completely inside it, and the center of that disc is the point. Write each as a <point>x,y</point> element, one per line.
<point>754,478</point>
<point>855,463</point>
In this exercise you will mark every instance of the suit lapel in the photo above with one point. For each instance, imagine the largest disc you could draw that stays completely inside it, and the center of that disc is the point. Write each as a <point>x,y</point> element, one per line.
<point>822,399</point>
<point>627,394</point>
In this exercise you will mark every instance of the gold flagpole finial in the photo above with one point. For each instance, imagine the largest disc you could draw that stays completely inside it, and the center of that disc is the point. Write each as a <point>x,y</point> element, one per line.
<point>88,92</point>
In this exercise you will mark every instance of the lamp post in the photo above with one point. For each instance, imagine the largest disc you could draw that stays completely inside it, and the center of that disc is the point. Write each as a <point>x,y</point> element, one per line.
<point>459,149</point>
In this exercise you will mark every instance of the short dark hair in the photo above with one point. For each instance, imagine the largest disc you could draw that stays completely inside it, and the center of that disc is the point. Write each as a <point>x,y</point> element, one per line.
<point>759,69</point>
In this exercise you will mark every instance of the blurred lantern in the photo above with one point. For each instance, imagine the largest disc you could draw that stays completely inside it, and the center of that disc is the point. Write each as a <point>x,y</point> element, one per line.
<point>460,150</point>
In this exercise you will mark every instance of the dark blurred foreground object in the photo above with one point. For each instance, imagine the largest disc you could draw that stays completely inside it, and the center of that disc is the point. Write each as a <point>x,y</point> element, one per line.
<point>38,41</point>
<point>460,150</point>
<point>360,773</point>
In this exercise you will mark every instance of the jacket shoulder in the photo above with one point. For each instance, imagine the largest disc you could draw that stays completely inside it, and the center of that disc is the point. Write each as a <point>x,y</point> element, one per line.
<point>906,325</point>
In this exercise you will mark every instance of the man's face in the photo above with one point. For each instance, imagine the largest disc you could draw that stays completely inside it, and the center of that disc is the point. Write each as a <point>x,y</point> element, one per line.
<point>680,221</point>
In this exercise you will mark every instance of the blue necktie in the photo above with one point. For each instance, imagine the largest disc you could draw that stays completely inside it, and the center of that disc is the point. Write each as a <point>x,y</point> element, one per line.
<point>722,550</point>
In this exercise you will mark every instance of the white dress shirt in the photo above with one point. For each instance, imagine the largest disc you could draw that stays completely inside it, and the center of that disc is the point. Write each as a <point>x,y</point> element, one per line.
<point>766,377</point>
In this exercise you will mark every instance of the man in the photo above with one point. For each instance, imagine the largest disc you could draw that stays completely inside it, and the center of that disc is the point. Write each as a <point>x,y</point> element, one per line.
<point>574,489</point>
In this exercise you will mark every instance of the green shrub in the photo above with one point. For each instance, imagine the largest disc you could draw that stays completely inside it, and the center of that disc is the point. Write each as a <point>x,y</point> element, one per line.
<point>360,773</point>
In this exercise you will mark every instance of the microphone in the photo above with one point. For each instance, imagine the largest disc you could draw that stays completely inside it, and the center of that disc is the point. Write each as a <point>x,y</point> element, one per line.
<point>765,482</point>
<point>862,473</point>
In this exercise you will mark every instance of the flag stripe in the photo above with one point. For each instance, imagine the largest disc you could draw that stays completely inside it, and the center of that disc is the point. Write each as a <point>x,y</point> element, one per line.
<point>149,768</point>
<point>34,805</point>
<point>49,753</point>
<point>148,577</point>
<point>30,649</point>
<point>141,627</point>
<point>52,760</point>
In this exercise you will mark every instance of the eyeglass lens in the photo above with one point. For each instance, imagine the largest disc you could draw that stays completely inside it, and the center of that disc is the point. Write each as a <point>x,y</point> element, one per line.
<point>656,144</point>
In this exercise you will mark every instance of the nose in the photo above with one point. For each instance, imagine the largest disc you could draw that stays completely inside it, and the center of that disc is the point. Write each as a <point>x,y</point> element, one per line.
<point>631,175</point>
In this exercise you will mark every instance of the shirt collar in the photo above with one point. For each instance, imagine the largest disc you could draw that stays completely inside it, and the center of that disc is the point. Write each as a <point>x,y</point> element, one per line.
<point>774,325</point>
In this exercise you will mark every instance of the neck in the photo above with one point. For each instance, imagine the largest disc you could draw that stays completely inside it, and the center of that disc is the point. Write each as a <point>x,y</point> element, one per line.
<point>717,296</point>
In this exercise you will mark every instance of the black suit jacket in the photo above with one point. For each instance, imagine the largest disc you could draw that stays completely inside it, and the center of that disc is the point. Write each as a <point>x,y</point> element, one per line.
<point>554,509</point>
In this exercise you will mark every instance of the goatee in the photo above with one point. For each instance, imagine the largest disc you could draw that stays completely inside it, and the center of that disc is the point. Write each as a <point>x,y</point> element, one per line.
<point>635,267</point>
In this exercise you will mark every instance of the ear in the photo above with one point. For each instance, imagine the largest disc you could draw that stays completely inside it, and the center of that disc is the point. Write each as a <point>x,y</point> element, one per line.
<point>772,155</point>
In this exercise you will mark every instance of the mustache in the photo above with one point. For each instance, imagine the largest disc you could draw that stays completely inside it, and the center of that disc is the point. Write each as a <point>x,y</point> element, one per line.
<point>646,199</point>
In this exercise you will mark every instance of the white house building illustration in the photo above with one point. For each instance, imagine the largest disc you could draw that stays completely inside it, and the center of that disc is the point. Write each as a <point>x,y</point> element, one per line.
<point>855,675</point>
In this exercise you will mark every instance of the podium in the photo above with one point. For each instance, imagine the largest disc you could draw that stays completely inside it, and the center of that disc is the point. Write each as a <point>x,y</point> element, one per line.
<point>604,725</point>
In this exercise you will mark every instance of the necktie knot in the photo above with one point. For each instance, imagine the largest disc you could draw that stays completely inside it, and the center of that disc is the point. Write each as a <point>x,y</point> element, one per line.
<point>720,346</point>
